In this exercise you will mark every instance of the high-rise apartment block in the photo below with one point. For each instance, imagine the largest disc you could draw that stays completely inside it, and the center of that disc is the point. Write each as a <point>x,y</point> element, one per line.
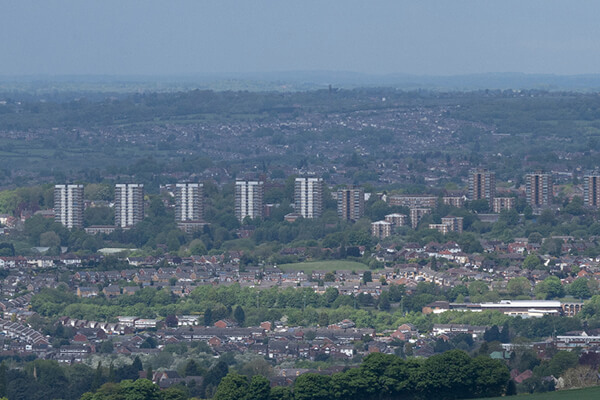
<point>441,228</point>
<point>503,203</point>
<point>455,224</point>
<point>397,219</point>
<point>449,224</point>
<point>249,199</point>
<point>539,189</point>
<point>129,204</point>
<point>416,214</point>
<point>350,203</point>
<point>188,202</point>
<point>454,201</point>
<point>68,205</point>
<point>591,190</point>
<point>381,229</point>
<point>308,197</point>
<point>412,201</point>
<point>482,184</point>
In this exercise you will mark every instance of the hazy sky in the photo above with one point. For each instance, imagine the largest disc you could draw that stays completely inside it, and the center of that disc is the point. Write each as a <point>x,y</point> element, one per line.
<point>171,37</point>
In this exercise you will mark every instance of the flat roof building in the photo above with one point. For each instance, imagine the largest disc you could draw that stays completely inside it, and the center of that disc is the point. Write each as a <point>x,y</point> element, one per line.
<point>412,201</point>
<point>129,204</point>
<point>381,229</point>
<point>189,202</point>
<point>249,199</point>
<point>350,203</point>
<point>308,197</point>
<point>591,190</point>
<point>482,184</point>
<point>68,205</point>
<point>539,188</point>
<point>503,203</point>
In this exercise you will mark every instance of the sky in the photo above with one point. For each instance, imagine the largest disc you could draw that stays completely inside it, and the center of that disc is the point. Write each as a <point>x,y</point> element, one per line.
<point>196,37</point>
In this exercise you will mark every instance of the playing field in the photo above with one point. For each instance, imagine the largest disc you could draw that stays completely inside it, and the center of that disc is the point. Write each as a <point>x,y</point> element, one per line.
<point>577,394</point>
<point>333,265</point>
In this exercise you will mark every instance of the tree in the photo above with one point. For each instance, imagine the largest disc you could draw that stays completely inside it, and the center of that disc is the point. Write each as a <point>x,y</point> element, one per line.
<point>367,277</point>
<point>171,321</point>
<point>311,386</point>
<point>532,262</point>
<point>491,377</point>
<point>232,387</point>
<point>511,388</point>
<point>448,376</point>
<point>357,383</point>
<point>259,388</point>
<point>257,366</point>
<point>174,393</point>
<point>141,389</point>
<point>107,347</point>
<point>323,319</point>
<point>505,333</point>
<point>49,239</point>
<point>384,301</point>
<point>535,237</point>
<point>580,289</point>
<point>281,393</point>
<point>197,247</point>
<point>192,369</point>
<point>478,288</point>
<point>518,286</point>
<point>239,315</point>
<point>216,373</point>
<point>492,334</point>
<point>331,294</point>
<point>550,288</point>
<point>2,379</point>
<point>136,365</point>
<point>208,317</point>
<point>580,377</point>
<point>562,361</point>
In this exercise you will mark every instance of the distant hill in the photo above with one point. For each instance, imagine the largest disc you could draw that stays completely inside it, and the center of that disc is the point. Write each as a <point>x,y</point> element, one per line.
<point>289,81</point>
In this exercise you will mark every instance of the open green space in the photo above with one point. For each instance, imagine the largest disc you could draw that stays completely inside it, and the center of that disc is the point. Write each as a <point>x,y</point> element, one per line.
<point>331,265</point>
<point>575,394</point>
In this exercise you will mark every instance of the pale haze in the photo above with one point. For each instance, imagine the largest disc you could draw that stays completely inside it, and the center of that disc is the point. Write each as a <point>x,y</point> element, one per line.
<point>375,37</point>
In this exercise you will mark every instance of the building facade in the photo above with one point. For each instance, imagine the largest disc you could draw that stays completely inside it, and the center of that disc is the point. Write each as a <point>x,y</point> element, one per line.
<point>129,204</point>
<point>381,229</point>
<point>189,202</point>
<point>455,224</point>
<point>249,199</point>
<point>397,219</point>
<point>503,203</point>
<point>350,203</point>
<point>416,214</point>
<point>482,184</point>
<point>308,197</point>
<point>538,188</point>
<point>68,205</point>
<point>454,201</point>
<point>591,190</point>
<point>412,201</point>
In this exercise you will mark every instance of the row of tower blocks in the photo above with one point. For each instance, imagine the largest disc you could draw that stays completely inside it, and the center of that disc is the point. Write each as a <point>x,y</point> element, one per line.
<point>249,196</point>
<point>308,201</point>
<point>482,186</point>
<point>308,198</point>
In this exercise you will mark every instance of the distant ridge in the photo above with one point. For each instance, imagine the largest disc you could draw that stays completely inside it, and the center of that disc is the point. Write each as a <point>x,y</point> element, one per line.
<point>289,81</point>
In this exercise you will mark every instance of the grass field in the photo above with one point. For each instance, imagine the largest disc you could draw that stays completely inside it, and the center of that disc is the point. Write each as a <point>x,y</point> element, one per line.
<point>332,265</point>
<point>578,394</point>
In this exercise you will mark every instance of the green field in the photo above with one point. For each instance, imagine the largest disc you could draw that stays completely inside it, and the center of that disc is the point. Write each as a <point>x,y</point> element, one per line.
<point>578,394</point>
<point>332,265</point>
